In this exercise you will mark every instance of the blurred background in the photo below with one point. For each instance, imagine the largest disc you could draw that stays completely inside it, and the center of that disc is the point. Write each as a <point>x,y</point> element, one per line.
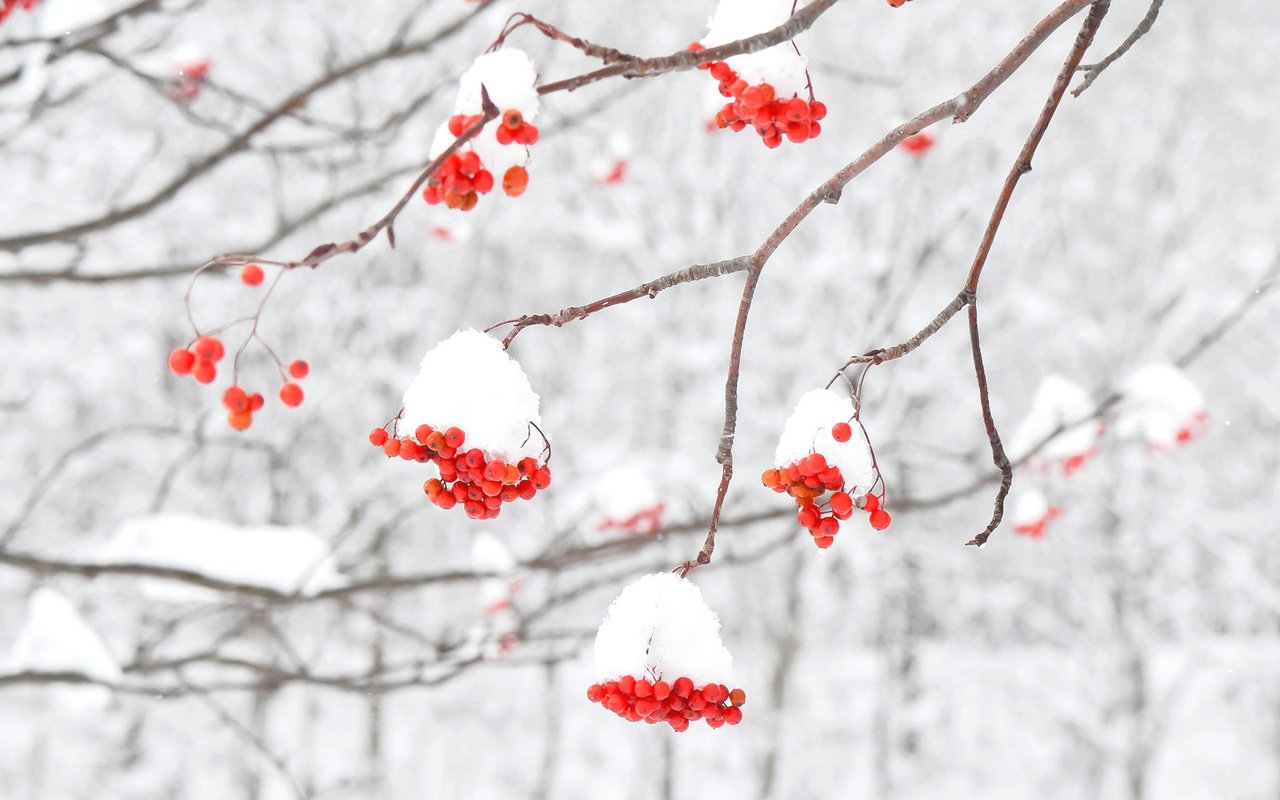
<point>1129,647</point>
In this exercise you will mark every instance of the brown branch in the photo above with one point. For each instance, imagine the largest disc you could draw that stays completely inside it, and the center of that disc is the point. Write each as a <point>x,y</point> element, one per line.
<point>648,289</point>
<point>1092,71</point>
<point>238,143</point>
<point>998,456</point>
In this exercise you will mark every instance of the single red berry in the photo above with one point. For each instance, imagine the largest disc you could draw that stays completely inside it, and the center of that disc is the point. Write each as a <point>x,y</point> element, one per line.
<point>495,471</point>
<point>251,275</point>
<point>256,401</point>
<point>733,715</point>
<point>683,687</point>
<point>299,369</point>
<point>446,500</point>
<point>181,360</point>
<point>542,478</point>
<point>880,519</point>
<point>240,420</point>
<point>841,432</point>
<point>422,433</point>
<point>391,447</point>
<point>291,394</point>
<point>661,690</point>
<point>208,348</point>
<point>235,399</point>
<point>870,503</point>
<point>841,505</point>
<point>817,111</point>
<point>809,517</point>
<point>377,437</point>
<point>771,478</point>
<point>204,371</point>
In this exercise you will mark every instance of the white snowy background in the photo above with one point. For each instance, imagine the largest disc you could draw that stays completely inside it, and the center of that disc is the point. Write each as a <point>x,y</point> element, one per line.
<point>1132,652</point>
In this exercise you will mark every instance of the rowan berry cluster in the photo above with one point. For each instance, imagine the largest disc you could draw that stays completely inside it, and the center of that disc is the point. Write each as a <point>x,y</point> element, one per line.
<point>810,479</point>
<point>771,116</point>
<point>898,3</point>
<point>467,478</point>
<point>462,178</point>
<point>645,522</point>
<point>7,7</point>
<point>200,360</point>
<point>676,703</point>
<point>187,81</point>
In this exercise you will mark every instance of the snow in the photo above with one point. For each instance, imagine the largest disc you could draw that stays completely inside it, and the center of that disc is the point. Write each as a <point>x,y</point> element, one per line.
<point>468,381</point>
<point>808,430</point>
<point>1057,401</point>
<point>1032,513</point>
<point>1161,405</point>
<point>489,554</point>
<point>661,628</point>
<point>56,638</point>
<point>59,17</point>
<point>509,76</point>
<point>269,556</point>
<point>779,65</point>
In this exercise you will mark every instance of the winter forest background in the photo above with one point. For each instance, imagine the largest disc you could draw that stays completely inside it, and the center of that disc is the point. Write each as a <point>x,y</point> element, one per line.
<point>1131,651</point>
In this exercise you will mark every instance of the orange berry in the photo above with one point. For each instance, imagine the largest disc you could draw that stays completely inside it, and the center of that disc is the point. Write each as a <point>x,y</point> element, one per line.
<point>737,697</point>
<point>377,437</point>
<point>391,447</point>
<point>515,181</point>
<point>512,119</point>
<point>204,371</point>
<point>240,420</point>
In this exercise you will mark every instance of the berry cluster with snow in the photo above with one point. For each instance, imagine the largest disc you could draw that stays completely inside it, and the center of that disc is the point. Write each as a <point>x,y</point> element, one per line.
<point>764,87</point>
<point>7,7</point>
<point>659,658</point>
<point>1061,417</point>
<point>508,78</point>
<point>1162,406</point>
<point>825,464</point>
<point>473,414</point>
<point>1032,514</point>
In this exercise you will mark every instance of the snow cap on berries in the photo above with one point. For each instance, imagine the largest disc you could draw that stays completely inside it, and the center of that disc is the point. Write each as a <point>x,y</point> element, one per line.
<point>469,382</point>
<point>1057,401</point>
<point>1032,513</point>
<point>509,77</point>
<point>780,65</point>
<point>808,430</point>
<point>1161,405</point>
<point>660,628</point>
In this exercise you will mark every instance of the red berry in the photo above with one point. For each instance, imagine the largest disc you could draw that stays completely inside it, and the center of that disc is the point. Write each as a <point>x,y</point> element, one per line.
<point>204,371</point>
<point>251,275</point>
<point>391,447</point>
<point>870,503</point>
<point>299,369</point>
<point>181,360</point>
<point>240,420</point>
<point>512,119</point>
<point>542,478</point>
<point>483,181</point>
<point>208,348</point>
<point>495,471</point>
<point>841,505</point>
<point>823,542</point>
<point>291,394</point>
<point>683,687</point>
<point>880,519</point>
<point>256,401</point>
<point>733,715</point>
<point>841,432</point>
<point>422,433</point>
<point>661,690</point>
<point>809,517</point>
<point>737,697</point>
<point>817,110</point>
<point>235,399</point>
<point>446,500</point>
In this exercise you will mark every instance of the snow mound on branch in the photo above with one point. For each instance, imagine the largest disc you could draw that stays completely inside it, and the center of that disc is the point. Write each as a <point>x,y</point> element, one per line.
<point>779,65</point>
<point>625,501</point>
<point>267,556</point>
<point>660,628</point>
<point>56,638</point>
<point>1032,513</point>
<point>489,554</point>
<point>808,430</point>
<point>509,76</point>
<point>59,17</point>
<point>468,381</point>
<point>1161,405</point>
<point>1057,401</point>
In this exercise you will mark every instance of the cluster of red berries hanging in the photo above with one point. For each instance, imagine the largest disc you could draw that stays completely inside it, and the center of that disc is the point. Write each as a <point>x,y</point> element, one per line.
<point>898,3</point>
<point>772,117</point>
<point>764,88</point>
<point>7,7</point>
<point>471,413</point>
<point>825,464</point>
<point>200,360</point>
<point>188,79</point>
<point>659,657</point>
<point>501,149</point>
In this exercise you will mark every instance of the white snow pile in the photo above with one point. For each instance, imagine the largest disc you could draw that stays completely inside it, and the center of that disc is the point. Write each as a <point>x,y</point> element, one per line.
<point>511,79</point>
<point>489,554</point>
<point>808,430</point>
<point>1161,405</point>
<point>1032,513</point>
<point>59,17</point>
<point>780,65</point>
<point>56,638</point>
<point>285,559</point>
<point>1057,401</point>
<point>468,381</point>
<point>660,628</point>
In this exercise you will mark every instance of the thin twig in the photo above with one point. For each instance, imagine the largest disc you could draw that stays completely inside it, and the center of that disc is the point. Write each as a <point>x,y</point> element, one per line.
<point>1092,71</point>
